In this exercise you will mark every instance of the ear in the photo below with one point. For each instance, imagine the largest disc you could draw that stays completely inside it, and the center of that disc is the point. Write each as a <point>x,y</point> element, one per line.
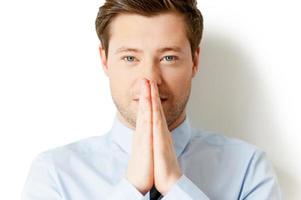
<point>104,60</point>
<point>196,61</point>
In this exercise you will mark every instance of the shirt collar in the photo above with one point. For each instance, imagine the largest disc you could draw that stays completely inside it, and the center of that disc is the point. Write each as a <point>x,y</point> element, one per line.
<point>122,135</point>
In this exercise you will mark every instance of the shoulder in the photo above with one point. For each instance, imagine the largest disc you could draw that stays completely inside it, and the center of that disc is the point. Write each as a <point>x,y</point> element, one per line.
<point>212,141</point>
<point>232,153</point>
<point>235,158</point>
<point>77,149</point>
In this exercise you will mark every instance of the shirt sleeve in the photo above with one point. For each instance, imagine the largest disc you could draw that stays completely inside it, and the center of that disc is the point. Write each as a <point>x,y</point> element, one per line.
<point>185,189</point>
<point>40,182</point>
<point>260,180</point>
<point>126,191</point>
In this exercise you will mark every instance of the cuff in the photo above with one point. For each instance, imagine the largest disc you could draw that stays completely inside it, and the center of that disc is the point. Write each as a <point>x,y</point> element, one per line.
<point>185,189</point>
<point>125,190</point>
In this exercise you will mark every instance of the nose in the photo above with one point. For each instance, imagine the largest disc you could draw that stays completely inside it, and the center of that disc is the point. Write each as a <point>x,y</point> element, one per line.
<point>152,72</point>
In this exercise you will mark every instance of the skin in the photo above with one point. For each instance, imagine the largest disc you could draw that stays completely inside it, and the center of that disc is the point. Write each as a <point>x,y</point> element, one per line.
<point>150,86</point>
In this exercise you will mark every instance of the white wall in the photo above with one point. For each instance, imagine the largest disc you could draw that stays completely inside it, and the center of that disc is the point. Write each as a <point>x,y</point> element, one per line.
<point>248,85</point>
<point>53,90</point>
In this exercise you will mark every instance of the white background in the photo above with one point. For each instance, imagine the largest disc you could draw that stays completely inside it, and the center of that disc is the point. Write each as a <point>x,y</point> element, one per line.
<point>53,90</point>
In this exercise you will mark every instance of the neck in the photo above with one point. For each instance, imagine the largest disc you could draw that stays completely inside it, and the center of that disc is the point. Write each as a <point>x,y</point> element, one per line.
<point>178,121</point>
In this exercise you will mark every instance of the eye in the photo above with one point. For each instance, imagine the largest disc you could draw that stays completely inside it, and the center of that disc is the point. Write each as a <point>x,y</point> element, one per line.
<point>170,58</point>
<point>129,58</point>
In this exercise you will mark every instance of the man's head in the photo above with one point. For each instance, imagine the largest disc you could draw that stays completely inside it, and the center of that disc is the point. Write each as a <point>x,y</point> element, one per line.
<point>156,40</point>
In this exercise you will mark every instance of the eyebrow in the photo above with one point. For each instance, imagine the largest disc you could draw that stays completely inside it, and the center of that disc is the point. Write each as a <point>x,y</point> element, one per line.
<point>160,50</point>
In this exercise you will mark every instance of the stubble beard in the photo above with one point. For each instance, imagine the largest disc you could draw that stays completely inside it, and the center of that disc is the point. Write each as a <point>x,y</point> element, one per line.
<point>171,115</point>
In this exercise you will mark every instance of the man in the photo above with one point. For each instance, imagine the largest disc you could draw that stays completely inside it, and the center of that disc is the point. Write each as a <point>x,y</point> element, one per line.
<point>150,53</point>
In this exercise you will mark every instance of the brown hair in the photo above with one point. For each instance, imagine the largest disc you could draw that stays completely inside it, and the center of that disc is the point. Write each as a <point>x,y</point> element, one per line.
<point>188,8</point>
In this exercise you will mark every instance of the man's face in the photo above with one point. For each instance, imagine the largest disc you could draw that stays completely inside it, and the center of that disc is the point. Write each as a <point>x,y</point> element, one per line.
<point>155,48</point>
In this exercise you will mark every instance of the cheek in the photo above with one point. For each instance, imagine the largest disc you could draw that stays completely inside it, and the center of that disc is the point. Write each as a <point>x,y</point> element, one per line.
<point>178,76</point>
<point>178,81</point>
<point>122,87</point>
<point>120,79</point>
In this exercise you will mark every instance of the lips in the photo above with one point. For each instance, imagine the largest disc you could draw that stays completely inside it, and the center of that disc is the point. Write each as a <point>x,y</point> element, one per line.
<point>162,99</point>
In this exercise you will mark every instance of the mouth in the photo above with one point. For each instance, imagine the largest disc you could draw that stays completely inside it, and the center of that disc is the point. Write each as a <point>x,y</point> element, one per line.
<point>162,100</point>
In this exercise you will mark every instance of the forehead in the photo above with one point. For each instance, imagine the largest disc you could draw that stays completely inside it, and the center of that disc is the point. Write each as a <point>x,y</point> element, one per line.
<point>167,29</point>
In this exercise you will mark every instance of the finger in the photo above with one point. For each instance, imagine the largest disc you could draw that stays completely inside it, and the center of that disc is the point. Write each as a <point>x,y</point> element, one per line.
<point>157,109</point>
<point>144,116</point>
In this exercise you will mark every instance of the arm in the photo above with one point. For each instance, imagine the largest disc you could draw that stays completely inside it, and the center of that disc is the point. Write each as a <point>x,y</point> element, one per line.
<point>260,180</point>
<point>124,190</point>
<point>40,182</point>
<point>185,189</point>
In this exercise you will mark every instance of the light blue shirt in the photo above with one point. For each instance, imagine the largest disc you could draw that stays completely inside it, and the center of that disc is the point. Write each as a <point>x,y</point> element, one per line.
<point>214,167</point>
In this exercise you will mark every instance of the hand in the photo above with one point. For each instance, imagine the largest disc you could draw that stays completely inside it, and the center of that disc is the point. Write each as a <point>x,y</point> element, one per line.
<point>166,167</point>
<point>153,160</point>
<point>140,171</point>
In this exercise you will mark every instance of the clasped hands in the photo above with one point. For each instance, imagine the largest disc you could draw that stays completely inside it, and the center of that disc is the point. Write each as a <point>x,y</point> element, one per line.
<point>153,160</point>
